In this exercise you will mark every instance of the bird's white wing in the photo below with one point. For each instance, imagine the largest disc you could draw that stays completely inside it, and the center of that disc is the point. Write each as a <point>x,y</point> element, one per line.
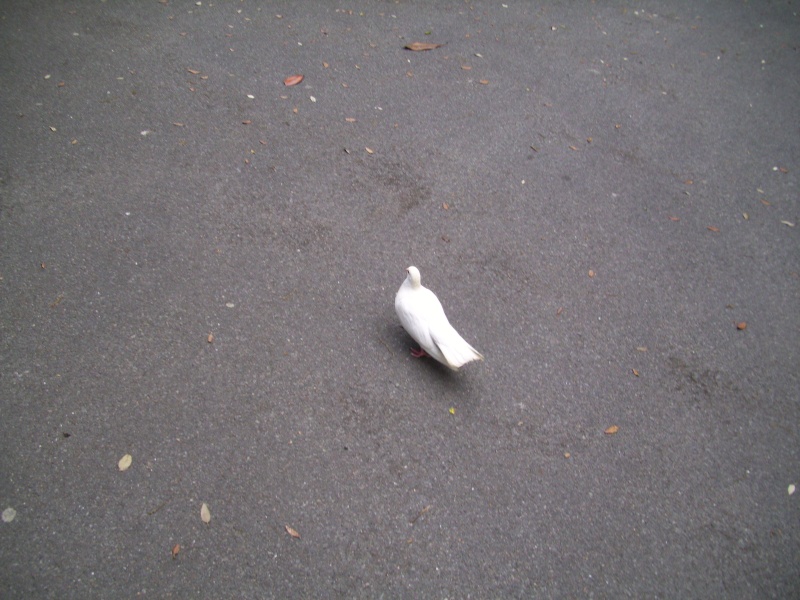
<point>424,319</point>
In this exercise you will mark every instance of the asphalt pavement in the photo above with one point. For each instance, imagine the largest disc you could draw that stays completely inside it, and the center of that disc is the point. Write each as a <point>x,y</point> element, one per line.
<point>198,265</point>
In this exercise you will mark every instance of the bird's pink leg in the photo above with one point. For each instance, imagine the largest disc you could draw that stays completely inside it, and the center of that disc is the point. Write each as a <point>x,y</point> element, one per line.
<point>418,353</point>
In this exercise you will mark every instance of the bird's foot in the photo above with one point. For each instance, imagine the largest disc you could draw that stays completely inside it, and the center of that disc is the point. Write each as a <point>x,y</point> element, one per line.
<point>418,353</point>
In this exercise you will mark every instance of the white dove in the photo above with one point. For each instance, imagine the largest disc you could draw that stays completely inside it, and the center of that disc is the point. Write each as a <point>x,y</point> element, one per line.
<point>423,318</point>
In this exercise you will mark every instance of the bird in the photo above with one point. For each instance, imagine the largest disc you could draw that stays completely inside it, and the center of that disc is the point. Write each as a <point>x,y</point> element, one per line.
<point>422,316</point>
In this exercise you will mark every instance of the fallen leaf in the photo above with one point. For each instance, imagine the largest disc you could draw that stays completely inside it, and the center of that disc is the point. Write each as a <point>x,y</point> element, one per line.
<point>466,67</point>
<point>246,122</point>
<point>409,73</point>
<point>205,514</point>
<point>789,223</point>
<point>641,348</point>
<point>591,273</point>
<point>292,532</point>
<point>712,228</point>
<point>567,455</point>
<point>741,326</point>
<point>745,216</point>
<point>369,150</point>
<point>422,46</point>
<point>688,182</point>
<point>175,549</point>
<point>292,80</point>
<point>62,83</point>
<point>484,82</point>
<point>674,218</point>
<point>325,65</point>
<point>617,125</point>
<point>445,206</point>
<point>178,124</point>
<point>783,170</point>
<point>790,489</point>
<point>53,128</point>
<point>350,119</point>
<point>765,203</point>
<point>9,514</point>
<point>44,266</point>
<point>611,430</point>
<point>193,71</point>
<point>210,338</point>
<point>452,410</point>
<point>125,462</point>
<point>559,311</point>
<point>573,148</point>
<point>588,140</point>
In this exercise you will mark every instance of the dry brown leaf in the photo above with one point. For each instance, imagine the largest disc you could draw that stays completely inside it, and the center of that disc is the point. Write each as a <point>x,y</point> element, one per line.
<point>688,182</point>
<point>741,326</point>
<point>246,122</point>
<point>292,532</point>
<point>445,206</point>
<point>422,46</point>
<point>567,455</point>
<point>635,372</point>
<point>210,338</point>
<point>409,73</point>
<point>193,71</point>
<point>325,65</point>
<point>484,82</point>
<point>43,265</point>
<point>588,140</point>
<point>62,83</point>
<point>205,514</point>
<point>175,550</point>
<point>125,462</point>
<point>611,430</point>
<point>712,228</point>
<point>765,203</point>
<point>559,311</point>
<point>591,273</point>
<point>674,218</point>
<point>292,80</point>
<point>573,148</point>
<point>466,67</point>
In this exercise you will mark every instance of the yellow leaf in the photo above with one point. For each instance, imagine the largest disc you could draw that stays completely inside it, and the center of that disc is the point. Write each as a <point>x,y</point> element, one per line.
<point>421,46</point>
<point>292,80</point>
<point>125,462</point>
<point>292,532</point>
<point>452,410</point>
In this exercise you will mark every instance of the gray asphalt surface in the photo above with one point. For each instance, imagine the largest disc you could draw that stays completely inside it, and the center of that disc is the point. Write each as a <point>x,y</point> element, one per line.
<point>597,192</point>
